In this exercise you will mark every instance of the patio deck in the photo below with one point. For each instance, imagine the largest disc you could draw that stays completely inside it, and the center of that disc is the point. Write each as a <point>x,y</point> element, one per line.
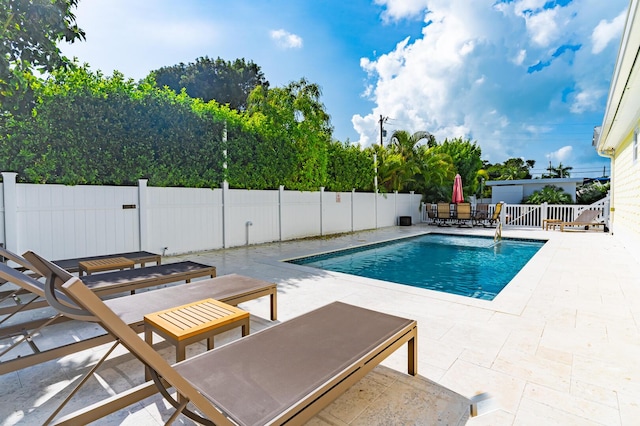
<point>558,346</point>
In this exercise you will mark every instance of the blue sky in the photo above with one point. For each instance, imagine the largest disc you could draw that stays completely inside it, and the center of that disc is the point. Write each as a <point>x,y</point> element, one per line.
<point>524,78</point>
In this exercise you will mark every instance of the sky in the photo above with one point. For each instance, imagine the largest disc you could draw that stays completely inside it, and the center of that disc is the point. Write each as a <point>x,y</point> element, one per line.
<point>521,78</point>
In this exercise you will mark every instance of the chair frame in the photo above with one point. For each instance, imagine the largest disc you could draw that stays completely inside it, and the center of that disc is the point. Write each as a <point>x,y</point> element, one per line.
<point>115,282</point>
<point>91,308</point>
<point>463,214</point>
<point>444,214</point>
<point>222,288</point>
<point>591,215</point>
<point>495,217</point>
<point>481,214</point>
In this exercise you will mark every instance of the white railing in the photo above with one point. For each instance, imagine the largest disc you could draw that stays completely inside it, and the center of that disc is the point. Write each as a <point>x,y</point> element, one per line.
<point>533,216</point>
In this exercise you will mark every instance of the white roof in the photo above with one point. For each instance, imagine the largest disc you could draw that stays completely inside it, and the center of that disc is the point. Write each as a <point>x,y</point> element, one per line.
<point>553,181</point>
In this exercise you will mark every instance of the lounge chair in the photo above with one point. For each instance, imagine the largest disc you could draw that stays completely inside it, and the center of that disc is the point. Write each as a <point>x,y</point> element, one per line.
<point>284,374</point>
<point>463,214</point>
<point>495,217</point>
<point>232,289</point>
<point>444,214</point>
<point>585,219</point>
<point>132,279</point>
<point>108,283</point>
<point>138,257</point>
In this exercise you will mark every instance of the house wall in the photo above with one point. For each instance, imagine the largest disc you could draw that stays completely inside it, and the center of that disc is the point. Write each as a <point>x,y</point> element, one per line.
<point>514,194</point>
<point>511,194</point>
<point>626,190</point>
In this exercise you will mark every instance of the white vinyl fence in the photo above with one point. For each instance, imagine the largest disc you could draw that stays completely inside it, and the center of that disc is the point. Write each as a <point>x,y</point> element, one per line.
<point>60,221</point>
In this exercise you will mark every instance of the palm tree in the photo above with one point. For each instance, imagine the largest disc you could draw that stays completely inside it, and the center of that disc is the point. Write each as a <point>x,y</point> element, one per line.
<point>436,172</point>
<point>558,172</point>
<point>398,165</point>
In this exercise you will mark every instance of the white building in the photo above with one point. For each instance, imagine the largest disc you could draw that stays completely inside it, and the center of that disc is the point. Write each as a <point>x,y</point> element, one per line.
<point>514,191</point>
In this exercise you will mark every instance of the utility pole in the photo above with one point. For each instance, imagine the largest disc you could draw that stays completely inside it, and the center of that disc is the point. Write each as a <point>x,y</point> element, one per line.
<point>382,131</point>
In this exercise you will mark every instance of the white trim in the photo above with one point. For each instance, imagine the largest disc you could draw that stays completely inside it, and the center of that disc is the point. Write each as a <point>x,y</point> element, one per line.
<point>634,146</point>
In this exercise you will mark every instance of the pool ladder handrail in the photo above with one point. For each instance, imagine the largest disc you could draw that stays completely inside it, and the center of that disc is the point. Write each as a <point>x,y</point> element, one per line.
<point>497,236</point>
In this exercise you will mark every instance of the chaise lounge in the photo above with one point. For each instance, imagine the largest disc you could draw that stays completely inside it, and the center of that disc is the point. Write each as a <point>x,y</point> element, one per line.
<point>585,219</point>
<point>109,283</point>
<point>138,257</point>
<point>131,309</point>
<point>284,374</point>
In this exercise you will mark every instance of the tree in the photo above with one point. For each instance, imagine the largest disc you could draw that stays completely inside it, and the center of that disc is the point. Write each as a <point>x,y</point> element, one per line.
<point>591,192</point>
<point>295,116</point>
<point>466,157</point>
<point>225,82</point>
<point>511,169</point>
<point>436,175</point>
<point>349,167</point>
<point>558,172</point>
<point>29,33</point>
<point>549,194</point>
<point>399,166</point>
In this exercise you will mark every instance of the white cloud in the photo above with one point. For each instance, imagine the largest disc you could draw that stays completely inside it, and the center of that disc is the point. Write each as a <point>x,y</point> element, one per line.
<point>521,56</point>
<point>606,31</point>
<point>562,154</point>
<point>401,9</point>
<point>586,100</point>
<point>471,74</point>
<point>543,28</point>
<point>285,39</point>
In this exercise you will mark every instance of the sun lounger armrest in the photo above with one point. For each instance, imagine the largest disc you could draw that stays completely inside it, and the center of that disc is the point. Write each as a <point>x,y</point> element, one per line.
<point>70,308</point>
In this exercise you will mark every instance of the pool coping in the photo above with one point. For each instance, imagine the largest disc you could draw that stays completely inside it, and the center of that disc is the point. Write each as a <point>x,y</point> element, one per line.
<point>512,299</point>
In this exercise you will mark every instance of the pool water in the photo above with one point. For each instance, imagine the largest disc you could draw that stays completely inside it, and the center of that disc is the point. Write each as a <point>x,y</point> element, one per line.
<point>465,265</point>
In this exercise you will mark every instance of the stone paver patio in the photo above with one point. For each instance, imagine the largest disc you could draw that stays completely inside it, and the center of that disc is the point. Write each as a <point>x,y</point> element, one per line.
<point>559,346</point>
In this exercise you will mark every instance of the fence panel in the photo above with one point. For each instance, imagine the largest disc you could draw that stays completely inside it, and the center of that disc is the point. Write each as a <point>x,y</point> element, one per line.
<point>300,214</point>
<point>184,219</point>
<point>523,215</point>
<point>409,205</point>
<point>253,217</point>
<point>60,221</point>
<point>364,211</point>
<point>387,213</point>
<point>336,212</point>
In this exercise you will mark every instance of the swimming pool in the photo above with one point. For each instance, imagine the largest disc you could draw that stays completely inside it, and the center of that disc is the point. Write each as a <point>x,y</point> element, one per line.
<point>465,265</point>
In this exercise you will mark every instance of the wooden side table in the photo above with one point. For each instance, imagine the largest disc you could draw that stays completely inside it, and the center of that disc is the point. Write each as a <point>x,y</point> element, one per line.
<point>193,322</point>
<point>106,264</point>
<point>551,223</point>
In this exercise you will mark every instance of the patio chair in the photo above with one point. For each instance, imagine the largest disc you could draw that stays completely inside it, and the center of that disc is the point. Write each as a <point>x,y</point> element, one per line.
<point>432,214</point>
<point>481,214</point>
<point>463,214</point>
<point>492,221</point>
<point>283,374</point>
<point>444,214</point>
<point>585,219</point>
<point>232,289</point>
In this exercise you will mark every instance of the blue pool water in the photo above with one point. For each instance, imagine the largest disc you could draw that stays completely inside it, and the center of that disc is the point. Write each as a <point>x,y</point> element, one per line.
<point>465,265</point>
